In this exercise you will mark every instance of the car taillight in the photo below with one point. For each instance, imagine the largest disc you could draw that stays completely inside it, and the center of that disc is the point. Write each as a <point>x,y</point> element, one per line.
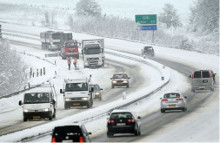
<point>210,75</point>
<point>76,49</point>
<point>53,140</point>
<point>179,99</point>
<point>111,121</point>
<point>81,139</point>
<point>192,75</point>
<point>131,120</point>
<point>164,99</point>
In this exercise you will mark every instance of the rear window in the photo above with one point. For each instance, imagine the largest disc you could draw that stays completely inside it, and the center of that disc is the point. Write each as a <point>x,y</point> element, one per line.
<point>172,95</point>
<point>125,115</point>
<point>62,132</point>
<point>205,74</point>
<point>197,74</point>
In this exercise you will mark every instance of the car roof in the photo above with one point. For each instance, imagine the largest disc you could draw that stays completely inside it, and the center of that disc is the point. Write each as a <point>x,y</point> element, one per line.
<point>120,111</point>
<point>39,90</point>
<point>119,73</point>
<point>75,80</point>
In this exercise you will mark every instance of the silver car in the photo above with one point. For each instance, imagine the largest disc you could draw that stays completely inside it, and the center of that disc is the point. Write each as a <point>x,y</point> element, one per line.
<point>97,91</point>
<point>173,101</point>
<point>203,80</point>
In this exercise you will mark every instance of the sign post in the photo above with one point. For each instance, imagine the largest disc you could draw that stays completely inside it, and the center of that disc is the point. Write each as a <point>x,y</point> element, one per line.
<point>147,22</point>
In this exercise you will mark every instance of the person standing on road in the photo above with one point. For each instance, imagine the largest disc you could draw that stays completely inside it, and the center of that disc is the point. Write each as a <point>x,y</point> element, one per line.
<point>69,62</point>
<point>75,62</point>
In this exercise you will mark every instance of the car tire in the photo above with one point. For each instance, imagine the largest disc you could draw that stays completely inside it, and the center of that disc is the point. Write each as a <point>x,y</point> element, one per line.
<point>162,110</point>
<point>50,116</point>
<point>184,109</point>
<point>54,114</point>
<point>24,119</point>
<point>127,85</point>
<point>100,98</point>
<point>113,86</point>
<point>66,106</point>
<point>109,134</point>
<point>137,132</point>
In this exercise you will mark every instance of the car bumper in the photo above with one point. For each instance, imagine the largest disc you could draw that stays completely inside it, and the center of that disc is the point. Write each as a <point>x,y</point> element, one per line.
<point>121,129</point>
<point>37,115</point>
<point>120,84</point>
<point>76,103</point>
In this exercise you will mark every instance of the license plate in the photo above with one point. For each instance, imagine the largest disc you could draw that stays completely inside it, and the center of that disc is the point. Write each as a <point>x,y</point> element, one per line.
<point>36,117</point>
<point>120,124</point>
<point>76,104</point>
<point>172,105</point>
<point>201,87</point>
<point>67,141</point>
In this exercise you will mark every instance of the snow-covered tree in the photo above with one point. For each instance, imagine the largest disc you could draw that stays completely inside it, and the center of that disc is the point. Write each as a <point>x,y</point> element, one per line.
<point>88,8</point>
<point>169,16</point>
<point>205,16</point>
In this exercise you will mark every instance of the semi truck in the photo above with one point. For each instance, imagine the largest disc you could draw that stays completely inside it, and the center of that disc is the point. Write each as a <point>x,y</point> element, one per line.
<point>51,40</point>
<point>93,53</point>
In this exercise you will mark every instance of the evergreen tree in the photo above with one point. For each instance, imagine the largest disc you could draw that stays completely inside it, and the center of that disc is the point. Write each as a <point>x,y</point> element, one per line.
<point>169,16</point>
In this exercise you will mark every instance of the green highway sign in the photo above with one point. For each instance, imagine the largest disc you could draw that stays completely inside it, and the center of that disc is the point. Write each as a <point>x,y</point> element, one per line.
<point>146,19</point>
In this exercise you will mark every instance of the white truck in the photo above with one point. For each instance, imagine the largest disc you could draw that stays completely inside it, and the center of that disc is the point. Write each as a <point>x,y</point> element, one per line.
<point>40,102</point>
<point>93,53</point>
<point>51,40</point>
<point>76,92</point>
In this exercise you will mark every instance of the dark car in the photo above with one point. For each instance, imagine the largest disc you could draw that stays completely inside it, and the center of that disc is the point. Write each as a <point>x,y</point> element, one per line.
<point>70,133</point>
<point>97,91</point>
<point>123,121</point>
<point>121,79</point>
<point>147,51</point>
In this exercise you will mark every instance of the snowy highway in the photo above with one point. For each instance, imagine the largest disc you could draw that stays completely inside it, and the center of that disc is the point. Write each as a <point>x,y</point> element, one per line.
<point>201,118</point>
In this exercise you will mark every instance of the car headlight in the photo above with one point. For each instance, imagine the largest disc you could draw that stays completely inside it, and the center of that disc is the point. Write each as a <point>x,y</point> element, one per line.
<point>125,81</point>
<point>46,110</point>
<point>85,98</point>
<point>67,99</point>
<point>114,81</point>
<point>25,110</point>
<point>97,93</point>
<point>86,63</point>
<point>99,62</point>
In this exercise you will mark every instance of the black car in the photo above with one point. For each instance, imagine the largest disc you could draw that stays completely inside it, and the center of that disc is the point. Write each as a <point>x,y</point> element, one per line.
<point>123,121</point>
<point>70,133</point>
<point>147,51</point>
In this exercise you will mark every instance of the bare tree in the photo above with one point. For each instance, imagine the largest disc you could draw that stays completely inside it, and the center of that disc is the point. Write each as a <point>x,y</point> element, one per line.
<point>88,8</point>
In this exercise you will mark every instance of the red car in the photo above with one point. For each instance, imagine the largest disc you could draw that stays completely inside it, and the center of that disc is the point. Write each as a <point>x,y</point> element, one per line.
<point>70,49</point>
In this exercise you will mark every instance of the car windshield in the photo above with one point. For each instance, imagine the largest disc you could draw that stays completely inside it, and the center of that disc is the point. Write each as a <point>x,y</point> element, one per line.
<point>30,98</point>
<point>121,115</point>
<point>172,95</point>
<point>72,44</point>
<point>56,36</point>
<point>205,74</point>
<point>148,48</point>
<point>118,76</point>
<point>92,49</point>
<point>76,87</point>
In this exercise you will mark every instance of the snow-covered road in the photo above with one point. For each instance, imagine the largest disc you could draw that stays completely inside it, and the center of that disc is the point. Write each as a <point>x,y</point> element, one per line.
<point>194,125</point>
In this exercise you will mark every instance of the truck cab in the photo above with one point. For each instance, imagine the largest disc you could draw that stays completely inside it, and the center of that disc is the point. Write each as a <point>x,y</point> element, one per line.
<point>93,53</point>
<point>76,92</point>
<point>70,49</point>
<point>39,103</point>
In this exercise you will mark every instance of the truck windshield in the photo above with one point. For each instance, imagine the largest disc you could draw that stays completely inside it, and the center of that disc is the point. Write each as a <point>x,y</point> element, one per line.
<point>92,49</point>
<point>31,98</point>
<point>70,45</point>
<point>56,36</point>
<point>76,87</point>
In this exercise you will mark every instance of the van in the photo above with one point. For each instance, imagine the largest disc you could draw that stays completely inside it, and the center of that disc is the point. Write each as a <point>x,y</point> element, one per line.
<point>76,92</point>
<point>203,80</point>
<point>70,133</point>
<point>39,103</point>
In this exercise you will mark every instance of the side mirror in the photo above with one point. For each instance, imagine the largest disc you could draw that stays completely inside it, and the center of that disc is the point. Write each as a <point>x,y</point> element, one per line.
<point>61,91</point>
<point>110,78</point>
<point>89,133</point>
<point>160,98</point>
<point>185,96</point>
<point>128,77</point>
<point>92,89</point>
<point>101,89</point>
<point>53,101</point>
<point>139,117</point>
<point>20,103</point>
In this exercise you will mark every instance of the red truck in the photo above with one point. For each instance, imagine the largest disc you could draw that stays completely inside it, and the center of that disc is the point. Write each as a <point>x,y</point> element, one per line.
<point>70,49</point>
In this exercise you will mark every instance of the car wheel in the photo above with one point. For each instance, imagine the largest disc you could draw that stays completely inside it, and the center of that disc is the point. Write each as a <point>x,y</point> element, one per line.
<point>184,109</point>
<point>50,116</point>
<point>113,86</point>
<point>24,119</point>
<point>100,98</point>
<point>127,85</point>
<point>54,114</point>
<point>66,106</point>
<point>137,132</point>
<point>109,134</point>
<point>89,104</point>
<point>162,110</point>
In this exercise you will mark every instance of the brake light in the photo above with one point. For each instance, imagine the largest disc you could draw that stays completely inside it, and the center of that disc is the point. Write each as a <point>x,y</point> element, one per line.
<point>210,75</point>
<point>53,140</point>
<point>76,49</point>
<point>81,139</point>
<point>192,75</point>
<point>179,99</point>
<point>111,121</point>
<point>131,120</point>
<point>164,99</point>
